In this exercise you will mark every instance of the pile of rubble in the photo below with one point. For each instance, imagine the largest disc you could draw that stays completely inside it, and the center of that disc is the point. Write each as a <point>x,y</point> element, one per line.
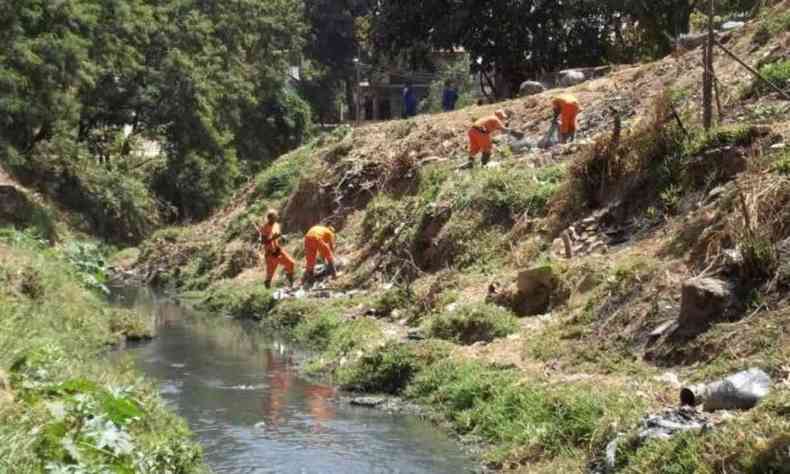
<point>589,236</point>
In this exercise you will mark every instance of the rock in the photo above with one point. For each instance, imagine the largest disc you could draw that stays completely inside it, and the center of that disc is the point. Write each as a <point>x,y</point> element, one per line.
<point>740,391</point>
<point>370,402</point>
<point>534,289</point>
<point>531,88</point>
<point>703,301</point>
<point>415,334</point>
<point>570,77</point>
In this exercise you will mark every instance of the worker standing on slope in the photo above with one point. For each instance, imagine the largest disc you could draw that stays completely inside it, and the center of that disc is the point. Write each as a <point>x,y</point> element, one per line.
<point>270,234</point>
<point>566,108</point>
<point>480,136</point>
<point>319,240</point>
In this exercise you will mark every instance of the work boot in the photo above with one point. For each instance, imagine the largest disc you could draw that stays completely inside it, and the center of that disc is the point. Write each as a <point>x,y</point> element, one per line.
<point>290,277</point>
<point>308,279</point>
<point>332,270</point>
<point>484,160</point>
<point>267,284</point>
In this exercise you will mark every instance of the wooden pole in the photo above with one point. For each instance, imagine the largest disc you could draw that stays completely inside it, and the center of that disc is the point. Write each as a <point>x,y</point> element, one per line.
<point>753,71</point>
<point>707,81</point>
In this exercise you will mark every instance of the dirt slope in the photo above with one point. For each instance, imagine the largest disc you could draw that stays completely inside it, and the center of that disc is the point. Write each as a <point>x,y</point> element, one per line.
<point>644,212</point>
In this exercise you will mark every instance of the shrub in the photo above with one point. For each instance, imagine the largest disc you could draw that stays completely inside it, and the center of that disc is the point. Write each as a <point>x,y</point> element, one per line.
<point>389,369</point>
<point>782,165</point>
<point>778,73</point>
<point>315,331</point>
<point>248,301</point>
<point>473,323</point>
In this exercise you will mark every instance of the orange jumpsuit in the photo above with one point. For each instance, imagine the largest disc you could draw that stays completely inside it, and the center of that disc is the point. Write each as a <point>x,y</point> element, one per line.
<point>569,109</point>
<point>275,255</point>
<point>480,134</point>
<point>319,240</point>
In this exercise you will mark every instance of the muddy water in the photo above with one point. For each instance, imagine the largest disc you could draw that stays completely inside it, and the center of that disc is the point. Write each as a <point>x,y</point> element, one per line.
<point>242,395</point>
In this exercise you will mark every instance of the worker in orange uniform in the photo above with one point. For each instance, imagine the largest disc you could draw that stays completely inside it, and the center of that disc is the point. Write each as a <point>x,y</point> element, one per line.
<point>270,234</point>
<point>319,240</point>
<point>566,108</point>
<point>480,136</point>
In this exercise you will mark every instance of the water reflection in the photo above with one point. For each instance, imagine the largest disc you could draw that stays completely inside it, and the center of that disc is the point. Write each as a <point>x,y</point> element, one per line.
<point>242,395</point>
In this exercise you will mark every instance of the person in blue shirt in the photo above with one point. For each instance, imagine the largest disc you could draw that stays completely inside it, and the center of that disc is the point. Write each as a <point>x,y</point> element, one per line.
<point>409,101</point>
<point>449,97</point>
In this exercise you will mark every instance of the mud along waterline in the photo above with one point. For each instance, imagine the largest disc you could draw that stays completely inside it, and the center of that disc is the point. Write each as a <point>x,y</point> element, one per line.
<point>242,395</point>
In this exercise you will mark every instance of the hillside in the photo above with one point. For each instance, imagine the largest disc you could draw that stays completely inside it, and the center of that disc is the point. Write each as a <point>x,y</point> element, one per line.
<point>458,292</point>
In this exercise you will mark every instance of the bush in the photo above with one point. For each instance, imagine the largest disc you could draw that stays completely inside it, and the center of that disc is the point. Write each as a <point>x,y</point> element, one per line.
<point>778,73</point>
<point>782,165</point>
<point>389,369</point>
<point>315,331</point>
<point>473,323</point>
<point>248,301</point>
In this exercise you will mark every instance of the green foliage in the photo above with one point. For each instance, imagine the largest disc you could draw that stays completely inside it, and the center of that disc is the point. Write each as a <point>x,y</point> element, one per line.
<point>239,301</point>
<point>398,297</point>
<point>205,81</point>
<point>782,164</point>
<point>496,405</point>
<point>389,369</point>
<point>503,196</point>
<point>472,323</point>
<point>89,261</point>
<point>73,411</point>
<point>778,73</point>
<point>316,331</point>
<point>457,72</point>
<point>581,33</point>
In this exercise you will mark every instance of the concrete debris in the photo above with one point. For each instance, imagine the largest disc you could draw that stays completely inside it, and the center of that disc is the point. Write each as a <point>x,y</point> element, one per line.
<point>740,391</point>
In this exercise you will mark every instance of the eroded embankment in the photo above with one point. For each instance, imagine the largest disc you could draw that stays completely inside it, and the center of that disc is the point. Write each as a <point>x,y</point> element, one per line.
<point>545,304</point>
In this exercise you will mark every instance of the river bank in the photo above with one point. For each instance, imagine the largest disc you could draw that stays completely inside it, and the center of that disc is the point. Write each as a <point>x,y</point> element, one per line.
<point>241,389</point>
<point>64,407</point>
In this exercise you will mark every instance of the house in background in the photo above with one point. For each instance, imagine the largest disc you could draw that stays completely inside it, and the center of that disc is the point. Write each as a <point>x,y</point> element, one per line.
<point>379,94</point>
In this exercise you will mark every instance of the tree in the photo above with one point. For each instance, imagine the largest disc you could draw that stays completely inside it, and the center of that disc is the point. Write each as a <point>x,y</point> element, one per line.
<point>514,39</point>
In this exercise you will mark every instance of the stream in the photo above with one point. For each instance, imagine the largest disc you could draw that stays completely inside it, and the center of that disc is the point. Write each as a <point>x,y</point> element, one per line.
<point>242,395</point>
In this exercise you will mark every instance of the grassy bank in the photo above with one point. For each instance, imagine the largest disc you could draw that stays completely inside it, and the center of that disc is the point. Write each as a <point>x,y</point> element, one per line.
<point>64,407</point>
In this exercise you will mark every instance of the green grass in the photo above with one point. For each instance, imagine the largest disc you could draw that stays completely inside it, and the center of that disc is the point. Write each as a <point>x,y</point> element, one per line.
<point>251,300</point>
<point>536,420</point>
<point>756,443</point>
<point>72,408</point>
<point>473,323</point>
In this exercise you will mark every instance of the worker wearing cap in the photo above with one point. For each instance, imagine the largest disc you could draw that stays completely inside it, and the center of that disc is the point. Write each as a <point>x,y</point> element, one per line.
<point>566,109</point>
<point>319,240</point>
<point>269,235</point>
<point>481,133</point>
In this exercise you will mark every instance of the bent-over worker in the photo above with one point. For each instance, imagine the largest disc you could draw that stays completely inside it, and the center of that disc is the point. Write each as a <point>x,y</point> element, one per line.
<point>566,109</point>
<point>319,240</point>
<point>270,234</point>
<point>480,136</point>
